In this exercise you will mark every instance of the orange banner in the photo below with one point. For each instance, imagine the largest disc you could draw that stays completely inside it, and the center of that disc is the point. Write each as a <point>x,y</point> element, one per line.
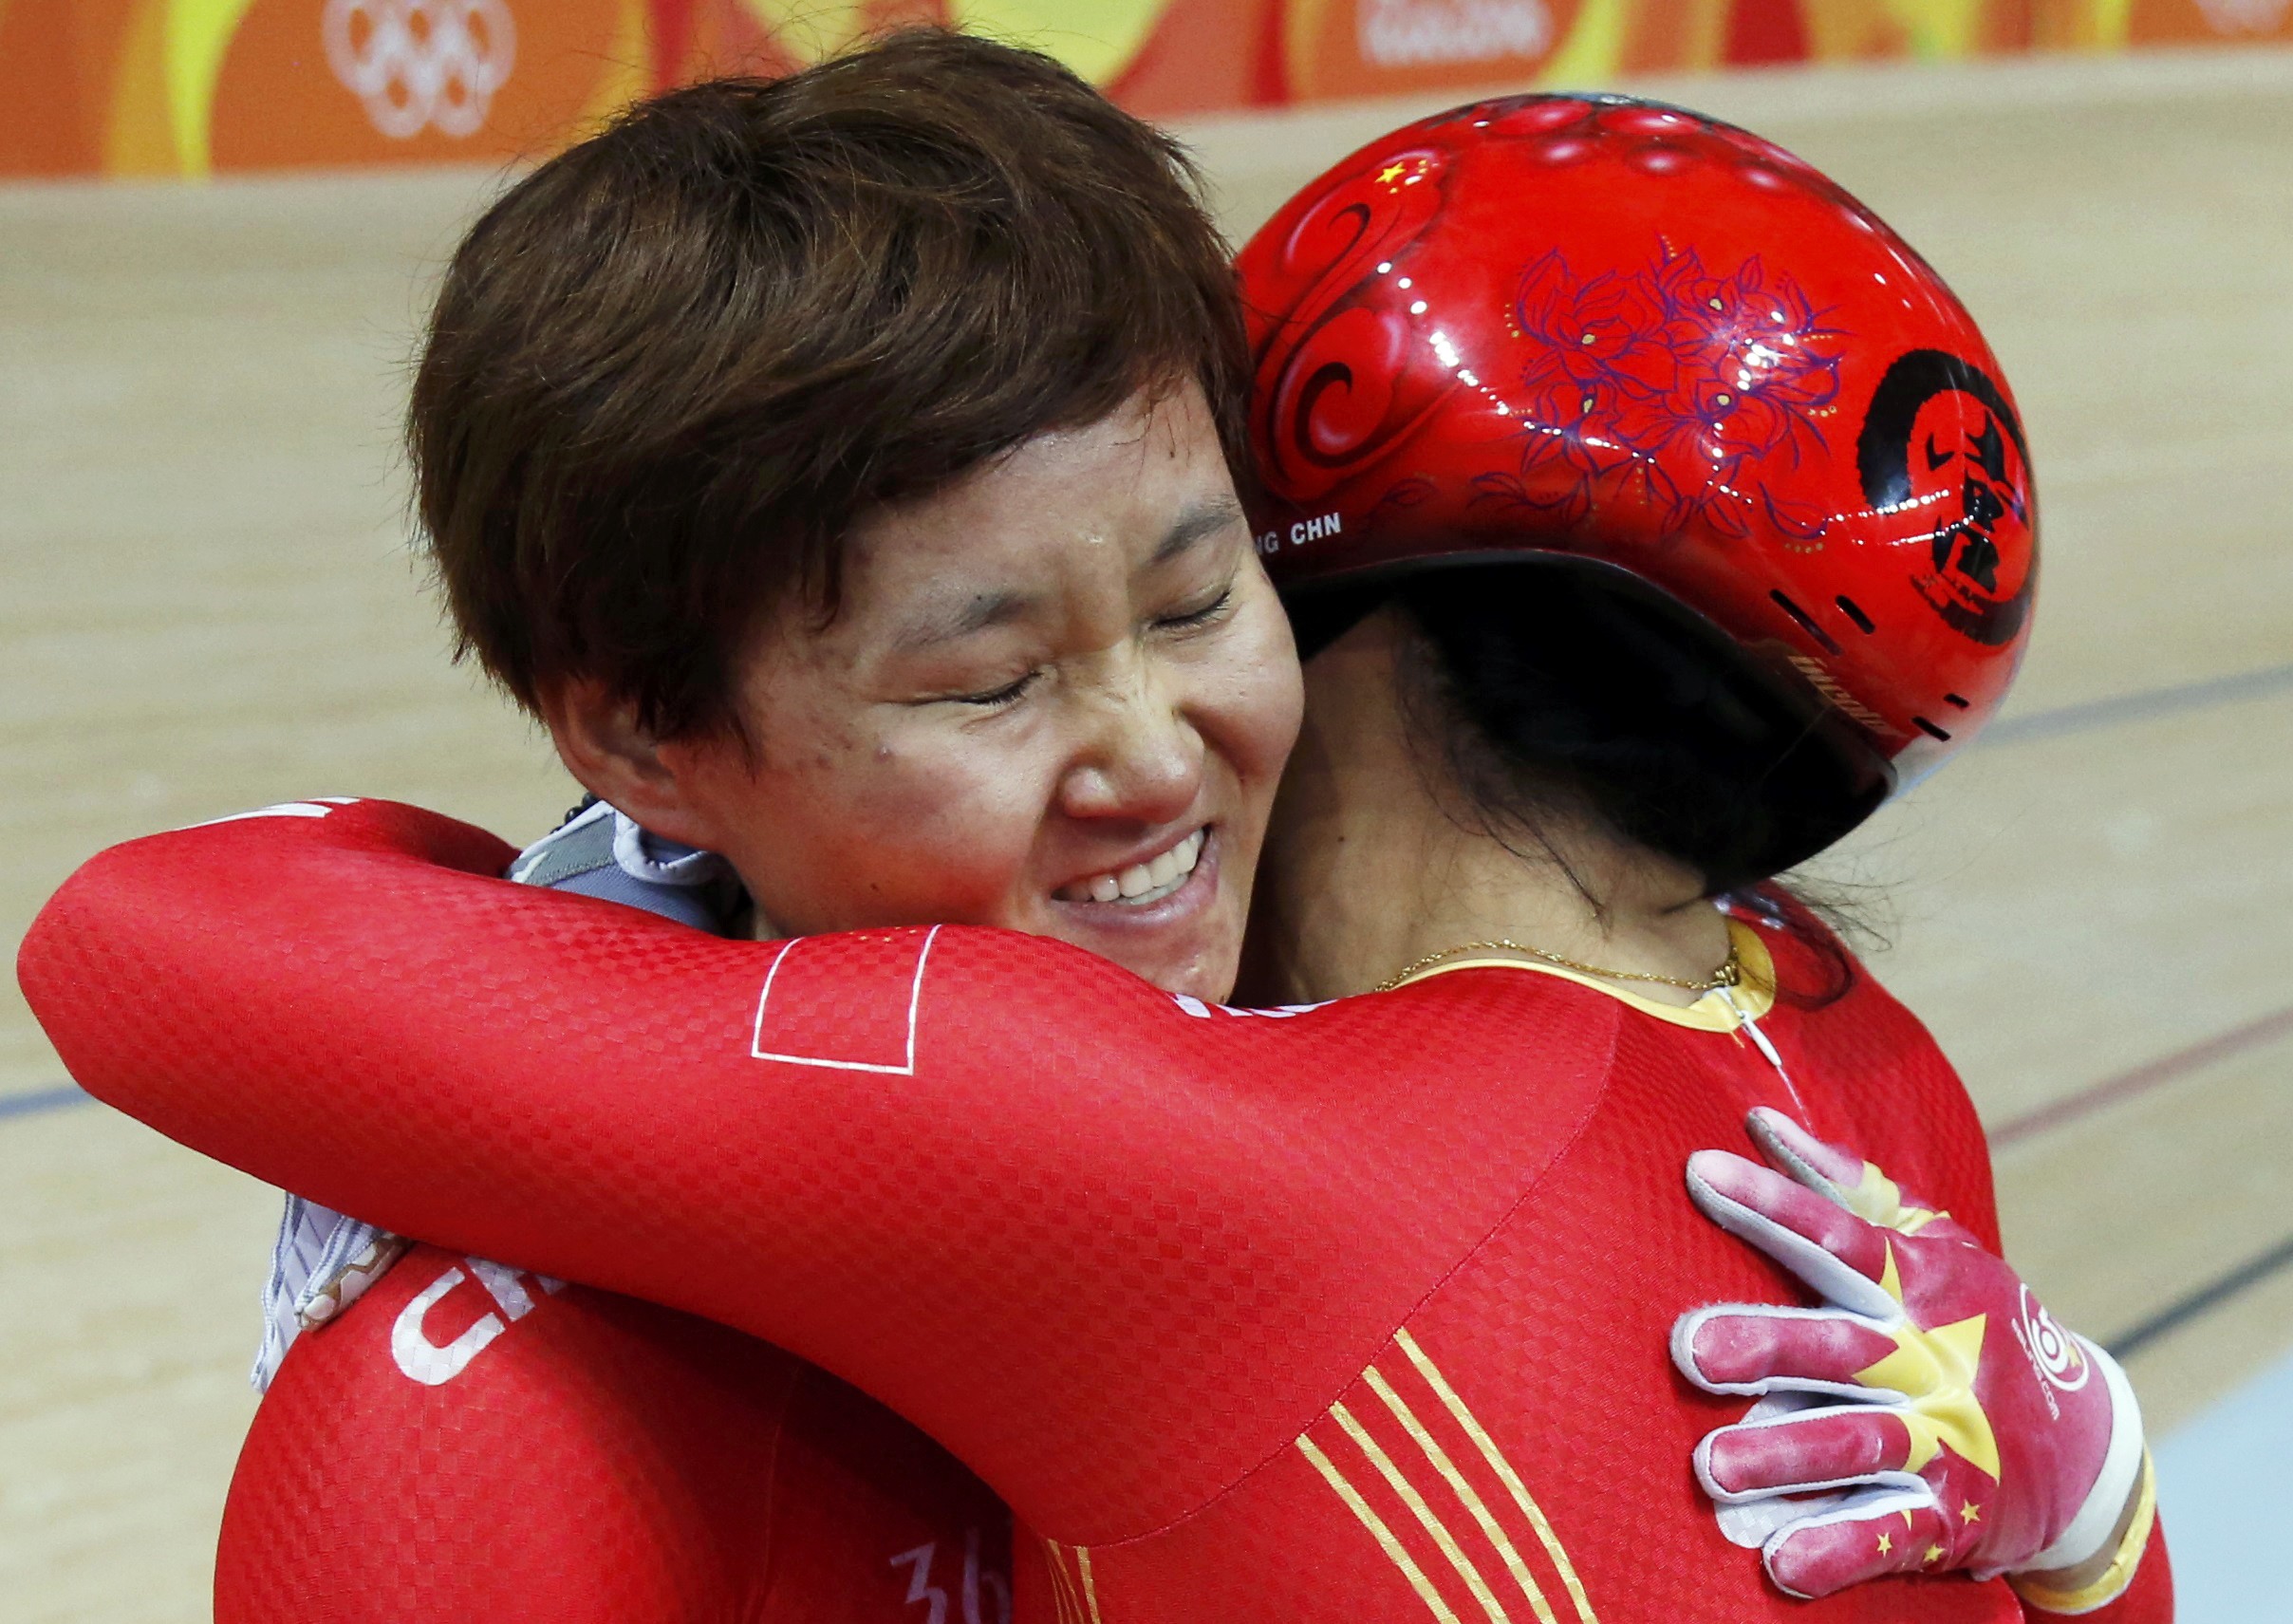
<point>189,87</point>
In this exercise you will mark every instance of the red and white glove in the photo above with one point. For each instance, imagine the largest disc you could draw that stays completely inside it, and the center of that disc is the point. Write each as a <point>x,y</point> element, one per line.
<point>1942,1418</point>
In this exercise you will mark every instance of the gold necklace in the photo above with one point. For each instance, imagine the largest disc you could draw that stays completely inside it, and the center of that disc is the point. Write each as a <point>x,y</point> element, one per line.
<point>1729,974</point>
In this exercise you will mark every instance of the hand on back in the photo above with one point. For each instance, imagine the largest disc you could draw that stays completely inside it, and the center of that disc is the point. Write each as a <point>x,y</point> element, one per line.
<point>1935,1413</point>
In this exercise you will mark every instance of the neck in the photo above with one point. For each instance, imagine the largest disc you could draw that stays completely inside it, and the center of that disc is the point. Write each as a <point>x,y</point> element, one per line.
<point>1377,858</point>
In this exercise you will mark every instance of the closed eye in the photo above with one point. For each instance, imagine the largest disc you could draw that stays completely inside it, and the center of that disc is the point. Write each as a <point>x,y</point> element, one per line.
<point>998,697</point>
<point>1203,616</point>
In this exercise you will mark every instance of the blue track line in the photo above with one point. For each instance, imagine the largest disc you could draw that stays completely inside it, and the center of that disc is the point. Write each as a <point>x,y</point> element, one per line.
<point>2140,705</point>
<point>2203,1301</point>
<point>41,1099</point>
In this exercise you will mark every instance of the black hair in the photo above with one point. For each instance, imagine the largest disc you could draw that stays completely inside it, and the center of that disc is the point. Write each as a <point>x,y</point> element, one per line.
<point>1557,690</point>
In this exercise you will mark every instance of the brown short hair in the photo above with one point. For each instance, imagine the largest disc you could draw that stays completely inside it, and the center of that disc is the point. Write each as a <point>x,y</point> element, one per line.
<point>669,368</point>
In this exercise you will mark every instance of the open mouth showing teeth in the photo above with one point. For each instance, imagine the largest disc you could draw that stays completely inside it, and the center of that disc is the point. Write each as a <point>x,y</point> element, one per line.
<point>1142,883</point>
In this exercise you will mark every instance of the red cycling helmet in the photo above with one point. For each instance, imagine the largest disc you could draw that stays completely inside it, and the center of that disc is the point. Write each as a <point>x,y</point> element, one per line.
<point>1604,331</point>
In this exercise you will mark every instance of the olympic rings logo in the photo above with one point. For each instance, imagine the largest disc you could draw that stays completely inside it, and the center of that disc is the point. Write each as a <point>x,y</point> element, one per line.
<point>419,65</point>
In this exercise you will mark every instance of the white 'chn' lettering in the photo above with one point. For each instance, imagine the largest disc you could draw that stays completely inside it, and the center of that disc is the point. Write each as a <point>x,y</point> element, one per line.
<point>434,1365</point>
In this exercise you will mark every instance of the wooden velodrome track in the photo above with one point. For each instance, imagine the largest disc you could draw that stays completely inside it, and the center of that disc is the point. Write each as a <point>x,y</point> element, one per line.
<point>208,605</point>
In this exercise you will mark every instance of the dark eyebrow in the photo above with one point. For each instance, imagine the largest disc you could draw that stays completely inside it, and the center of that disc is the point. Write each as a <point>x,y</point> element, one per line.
<point>1194,525</point>
<point>947,621</point>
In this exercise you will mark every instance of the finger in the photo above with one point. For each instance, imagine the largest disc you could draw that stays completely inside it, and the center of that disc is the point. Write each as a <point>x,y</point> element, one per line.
<point>1860,1186</point>
<point>1891,1532</point>
<point>1840,1445</point>
<point>1842,1257</point>
<point>1751,1348</point>
<point>1790,1148</point>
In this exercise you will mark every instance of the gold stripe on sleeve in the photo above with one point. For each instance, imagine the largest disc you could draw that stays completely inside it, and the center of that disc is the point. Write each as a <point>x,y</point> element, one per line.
<point>1503,1468</point>
<point>1062,1598</point>
<point>1427,1519</point>
<point>1091,1589</point>
<point>1378,1531</point>
<point>1465,1492</point>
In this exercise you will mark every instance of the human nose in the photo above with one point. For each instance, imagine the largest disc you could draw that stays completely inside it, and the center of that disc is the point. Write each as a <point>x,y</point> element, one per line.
<point>1141,760</point>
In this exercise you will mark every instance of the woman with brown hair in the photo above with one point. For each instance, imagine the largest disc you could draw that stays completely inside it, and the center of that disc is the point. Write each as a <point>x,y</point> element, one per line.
<point>752,437</point>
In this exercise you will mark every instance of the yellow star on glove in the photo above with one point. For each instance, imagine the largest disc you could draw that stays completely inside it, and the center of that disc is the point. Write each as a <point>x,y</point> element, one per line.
<point>1935,1369</point>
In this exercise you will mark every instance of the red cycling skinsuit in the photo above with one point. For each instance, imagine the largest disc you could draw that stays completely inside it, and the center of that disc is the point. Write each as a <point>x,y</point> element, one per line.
<point>1359,1315</point>
<point>471,1443</point>
<point>466,1442</point>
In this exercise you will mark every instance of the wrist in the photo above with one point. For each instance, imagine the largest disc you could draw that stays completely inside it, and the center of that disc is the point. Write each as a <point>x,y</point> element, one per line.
<point>2094,1533</point>
<point>2102,1578</point>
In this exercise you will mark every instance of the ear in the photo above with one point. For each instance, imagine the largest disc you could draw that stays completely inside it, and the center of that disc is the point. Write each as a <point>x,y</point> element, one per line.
<point>616,760</point>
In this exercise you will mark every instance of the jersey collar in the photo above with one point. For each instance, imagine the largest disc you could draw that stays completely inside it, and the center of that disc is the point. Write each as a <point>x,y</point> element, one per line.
<point>1723,1009</point>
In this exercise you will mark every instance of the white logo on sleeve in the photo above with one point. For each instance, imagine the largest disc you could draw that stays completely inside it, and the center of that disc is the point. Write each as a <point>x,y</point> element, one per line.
<point>848,1005</point>
<point>1201,1011</point>
<point>317,806</point>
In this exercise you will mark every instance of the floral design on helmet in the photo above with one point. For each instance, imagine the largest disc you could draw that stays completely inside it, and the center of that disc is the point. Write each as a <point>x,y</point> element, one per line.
<point>1623,368</point>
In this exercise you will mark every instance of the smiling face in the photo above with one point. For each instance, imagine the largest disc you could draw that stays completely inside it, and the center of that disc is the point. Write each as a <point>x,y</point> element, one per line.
<point>1056,697</point>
